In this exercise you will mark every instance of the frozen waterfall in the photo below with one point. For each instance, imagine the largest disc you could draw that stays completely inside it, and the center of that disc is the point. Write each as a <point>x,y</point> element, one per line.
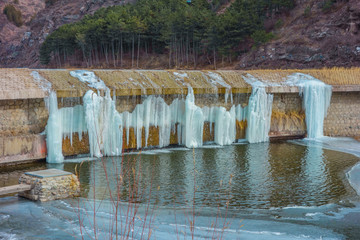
<point>54,131</point>
<point>107,128</point>
<point>259,112</point>
<point>316,101</point>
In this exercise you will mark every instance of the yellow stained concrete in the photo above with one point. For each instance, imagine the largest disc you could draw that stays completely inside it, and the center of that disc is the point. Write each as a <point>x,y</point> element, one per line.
<point>78,147</point>
<point>82,147</point>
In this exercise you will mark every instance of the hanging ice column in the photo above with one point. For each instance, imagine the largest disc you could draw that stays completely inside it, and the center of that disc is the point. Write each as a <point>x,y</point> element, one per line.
<point>62,123</point>
<point>54,132</point>
<point>258,112</point>
<point>103,122</point>
<point>106,127</point>
<point>193,124</point>
<point>316,101</point>
<point>54,125</point>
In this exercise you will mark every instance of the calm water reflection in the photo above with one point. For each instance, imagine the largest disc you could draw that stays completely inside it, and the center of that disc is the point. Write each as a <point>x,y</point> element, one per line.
<point>256,176</point>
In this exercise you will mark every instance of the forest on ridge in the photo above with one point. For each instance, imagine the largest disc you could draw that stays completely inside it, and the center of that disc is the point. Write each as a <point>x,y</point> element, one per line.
<point>186,34</point>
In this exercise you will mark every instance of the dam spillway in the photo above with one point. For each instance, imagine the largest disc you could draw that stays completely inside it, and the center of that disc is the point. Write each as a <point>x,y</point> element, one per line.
<point>217,99</point>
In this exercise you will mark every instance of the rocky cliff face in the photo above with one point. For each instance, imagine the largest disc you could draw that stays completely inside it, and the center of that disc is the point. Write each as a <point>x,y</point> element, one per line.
<point>312,36</point>
<point>19,46</point>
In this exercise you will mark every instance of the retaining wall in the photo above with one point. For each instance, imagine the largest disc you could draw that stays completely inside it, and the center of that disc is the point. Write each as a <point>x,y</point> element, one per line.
<point>23,116</point>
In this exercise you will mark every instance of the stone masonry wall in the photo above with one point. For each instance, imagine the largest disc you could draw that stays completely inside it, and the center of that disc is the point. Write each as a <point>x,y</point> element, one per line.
<point>21,117</point>
<point>343,117</point>
<point>21,122</point>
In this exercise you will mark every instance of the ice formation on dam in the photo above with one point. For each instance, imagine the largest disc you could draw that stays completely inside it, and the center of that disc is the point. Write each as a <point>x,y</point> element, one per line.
<point>58,121</point>
<point>103,123</point>
<point>258,112</point>
<point>44,84</point>
<point>106,126</point>
<point>54,132</point>
<point>62,123</point>
<point>316,101</point>
<point>89,78</point>
<point>215,79</point>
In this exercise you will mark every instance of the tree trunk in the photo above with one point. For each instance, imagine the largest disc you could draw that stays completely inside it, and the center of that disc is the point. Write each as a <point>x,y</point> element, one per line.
<point>170,47</point>
<point>214,58</point>
<point>138,52</point>
<point>121,51</point>
<point>132,51</point>
<point>113,52</point>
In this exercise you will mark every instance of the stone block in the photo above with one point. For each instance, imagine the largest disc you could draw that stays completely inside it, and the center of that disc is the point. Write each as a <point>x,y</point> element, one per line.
<point>50,184</point>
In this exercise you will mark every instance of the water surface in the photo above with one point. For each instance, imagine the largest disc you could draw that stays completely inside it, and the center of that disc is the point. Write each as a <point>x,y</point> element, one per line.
<point>276,190</point>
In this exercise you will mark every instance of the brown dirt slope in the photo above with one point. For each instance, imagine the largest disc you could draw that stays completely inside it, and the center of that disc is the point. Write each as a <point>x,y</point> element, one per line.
<point>311,38</point>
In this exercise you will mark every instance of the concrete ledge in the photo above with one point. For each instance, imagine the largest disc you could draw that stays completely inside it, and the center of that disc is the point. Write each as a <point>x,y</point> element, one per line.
<point>346,88</point>
<point>14,189</point>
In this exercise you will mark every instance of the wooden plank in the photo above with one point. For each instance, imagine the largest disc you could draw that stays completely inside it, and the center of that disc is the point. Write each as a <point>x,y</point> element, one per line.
<point>14,189</point>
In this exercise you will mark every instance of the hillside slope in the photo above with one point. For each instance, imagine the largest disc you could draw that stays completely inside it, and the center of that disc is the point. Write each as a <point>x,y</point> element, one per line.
<point>19,46</point>
<point>312,36</point>
<point>308,36</point>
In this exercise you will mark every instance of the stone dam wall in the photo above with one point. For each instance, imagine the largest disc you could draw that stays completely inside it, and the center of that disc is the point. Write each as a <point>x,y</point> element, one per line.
<point>24,115</point>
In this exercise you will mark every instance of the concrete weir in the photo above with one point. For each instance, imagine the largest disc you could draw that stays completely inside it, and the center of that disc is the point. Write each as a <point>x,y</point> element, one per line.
<point>24,114</point>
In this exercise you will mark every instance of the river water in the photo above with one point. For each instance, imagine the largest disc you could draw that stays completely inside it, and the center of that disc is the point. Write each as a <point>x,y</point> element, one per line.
<point>280,190</point>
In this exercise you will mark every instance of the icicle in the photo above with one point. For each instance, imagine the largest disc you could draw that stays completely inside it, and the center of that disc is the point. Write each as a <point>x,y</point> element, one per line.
<point>54,132</point>
<point>192,123</point>
<point>225,126</point>
<point>53,128</point>
<point>104,124</point>
<point>217,79</point>
<point>240,113</point>
<point>258,112</point>
<point>224,121</point>
<point>73,121</point>
<point>259,115</point>
<point>316,101</point>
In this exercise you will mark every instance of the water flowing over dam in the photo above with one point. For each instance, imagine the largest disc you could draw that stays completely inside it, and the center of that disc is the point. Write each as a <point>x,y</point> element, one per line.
<point>104,112</point>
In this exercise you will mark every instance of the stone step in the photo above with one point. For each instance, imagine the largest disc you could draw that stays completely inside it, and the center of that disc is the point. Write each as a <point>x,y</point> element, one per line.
<point>15,189</point>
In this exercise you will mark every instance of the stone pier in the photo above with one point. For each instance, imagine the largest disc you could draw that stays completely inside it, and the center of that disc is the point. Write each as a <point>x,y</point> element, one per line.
<point>49,184</point>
